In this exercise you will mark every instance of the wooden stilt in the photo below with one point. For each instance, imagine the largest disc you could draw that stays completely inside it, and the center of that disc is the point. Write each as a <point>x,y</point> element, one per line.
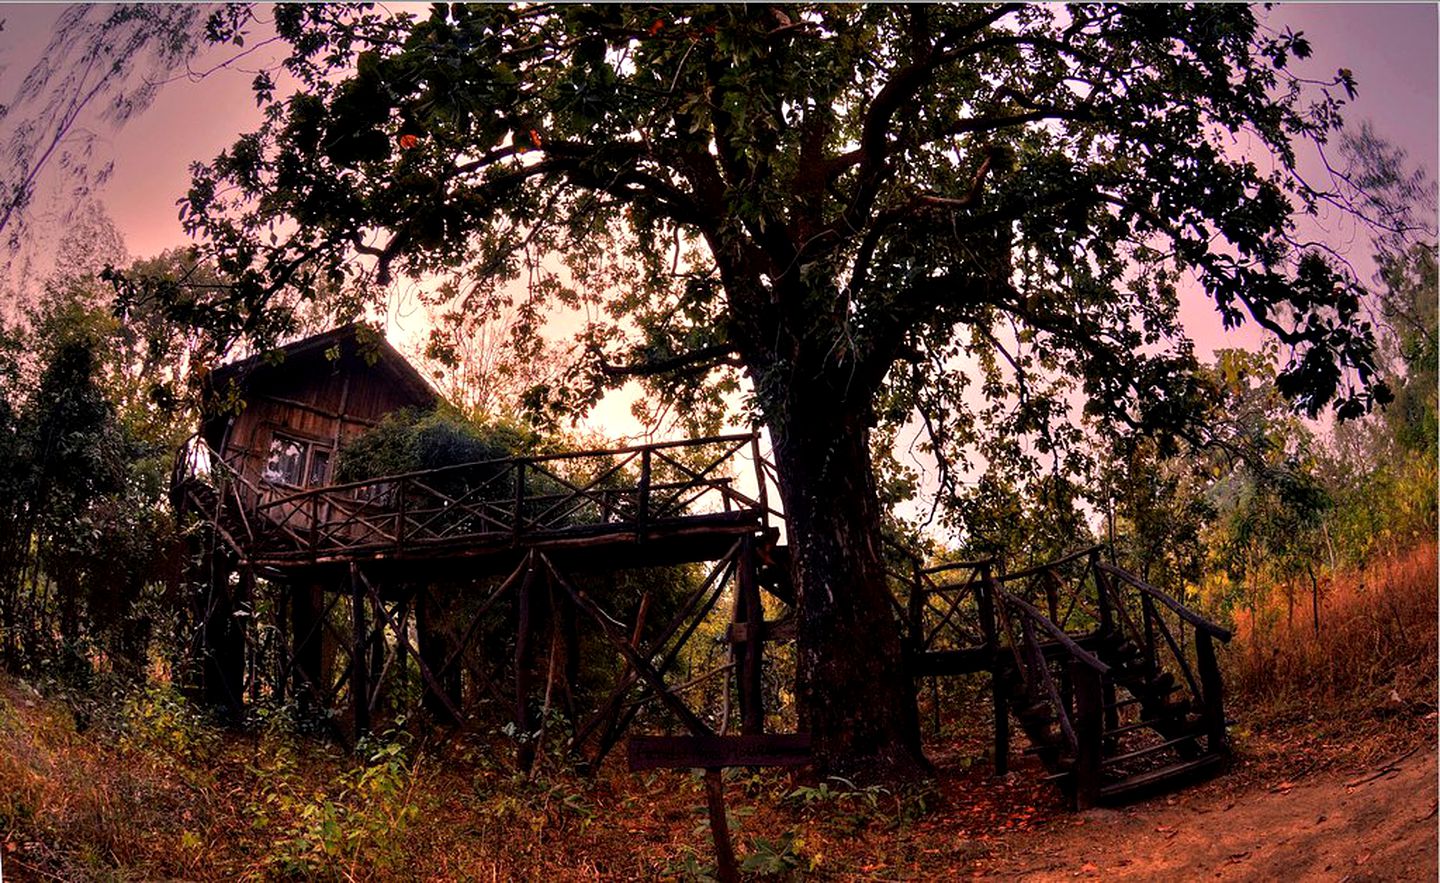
<point>307,646</point>
<point>752,675</point>
<point>441,695</point>
<point>524,723</point>
<point>727,870</point>
<point>359,670</point>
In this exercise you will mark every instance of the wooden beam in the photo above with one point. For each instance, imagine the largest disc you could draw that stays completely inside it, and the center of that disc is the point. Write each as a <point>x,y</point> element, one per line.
<point>783,629</point>
<point>641,665</point>
<point>708,752</point>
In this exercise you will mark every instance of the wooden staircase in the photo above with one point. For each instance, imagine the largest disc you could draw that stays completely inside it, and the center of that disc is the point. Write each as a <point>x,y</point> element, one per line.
<point>1114,683</point>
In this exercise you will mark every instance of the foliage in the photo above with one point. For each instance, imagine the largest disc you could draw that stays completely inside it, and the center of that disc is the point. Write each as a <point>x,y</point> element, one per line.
<point>858,807</point>
<point>782,855</point>
<point>361,822</point>
<point>531,145</point>
<point>87,535</point>
<point>158,718</point>
<point>856,206</point>
<point>410,440</point>
<point>1379,636</point>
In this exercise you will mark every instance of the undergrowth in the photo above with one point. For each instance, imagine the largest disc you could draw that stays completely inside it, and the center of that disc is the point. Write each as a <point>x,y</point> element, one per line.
<point>141,786</point>
<point>1375,649</point>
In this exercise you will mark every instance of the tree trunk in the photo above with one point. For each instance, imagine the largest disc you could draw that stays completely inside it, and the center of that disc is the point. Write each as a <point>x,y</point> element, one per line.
<point>854,695</point>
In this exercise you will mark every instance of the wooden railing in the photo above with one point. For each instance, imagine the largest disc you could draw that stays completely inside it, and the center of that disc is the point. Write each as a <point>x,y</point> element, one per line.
<point>1160,634</point>
<point>1061,617</point>
<point>577,494</point>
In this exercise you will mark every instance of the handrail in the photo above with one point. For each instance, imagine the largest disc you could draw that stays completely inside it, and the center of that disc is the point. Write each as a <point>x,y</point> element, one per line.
<point>516,461</point>
<point>1048,565</point>
<point>975,564</point>
<point>1040,619</point>
<point>1181,610</point>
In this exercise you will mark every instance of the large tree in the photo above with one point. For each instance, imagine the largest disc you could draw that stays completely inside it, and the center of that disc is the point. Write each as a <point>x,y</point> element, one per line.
<point>844,208</point>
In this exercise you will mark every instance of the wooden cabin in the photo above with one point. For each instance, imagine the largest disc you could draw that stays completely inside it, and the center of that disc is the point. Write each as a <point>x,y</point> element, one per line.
<point>280,418</point>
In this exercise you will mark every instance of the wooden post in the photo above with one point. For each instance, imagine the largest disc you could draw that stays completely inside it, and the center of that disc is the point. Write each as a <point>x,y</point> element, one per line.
<point>1089,733</point>
<point>524,723</point>
<point>1104,592</point>
<point>307,646</point>
<point>519,515</point>
<point>1214,690</point>
<point>359,671</point>
<point>375,641</point>
<point>222,641</point>
<point>760,495</point>
<point>727,870</point>
<point>400,512</point>
<point>442,694</point>
<point>752,681</point>
<point>999,695</point>
<point>915,612</point>
<point>1147,607</point>
<point>1102,597</point>
<point>644,504</point>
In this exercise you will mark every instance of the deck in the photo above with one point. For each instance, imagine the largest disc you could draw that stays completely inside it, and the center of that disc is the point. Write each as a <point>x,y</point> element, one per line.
<point>637,506</point>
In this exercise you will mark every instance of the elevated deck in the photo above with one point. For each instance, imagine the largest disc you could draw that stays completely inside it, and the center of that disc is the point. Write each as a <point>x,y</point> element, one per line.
<point>636,506</point>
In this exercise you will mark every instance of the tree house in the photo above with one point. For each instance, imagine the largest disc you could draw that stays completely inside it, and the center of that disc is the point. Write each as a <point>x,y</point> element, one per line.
<point>332,595</point>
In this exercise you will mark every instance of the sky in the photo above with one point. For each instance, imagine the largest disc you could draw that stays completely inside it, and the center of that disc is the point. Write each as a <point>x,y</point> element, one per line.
<point>1391,48</point>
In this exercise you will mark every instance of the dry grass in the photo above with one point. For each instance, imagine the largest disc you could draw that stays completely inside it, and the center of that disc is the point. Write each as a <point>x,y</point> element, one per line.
<point>1377,635</point>
<point>160,795</point>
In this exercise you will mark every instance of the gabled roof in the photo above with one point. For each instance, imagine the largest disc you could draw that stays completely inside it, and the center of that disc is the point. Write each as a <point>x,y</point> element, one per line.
<point>321,350</point>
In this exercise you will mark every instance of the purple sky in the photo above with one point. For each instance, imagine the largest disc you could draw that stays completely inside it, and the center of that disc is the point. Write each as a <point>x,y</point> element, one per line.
<point>1391,48</point>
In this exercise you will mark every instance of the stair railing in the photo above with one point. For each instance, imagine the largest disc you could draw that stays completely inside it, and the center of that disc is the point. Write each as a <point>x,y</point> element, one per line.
<point>197,463</point>
<point>1075,694</point>
<point>1157,624</point>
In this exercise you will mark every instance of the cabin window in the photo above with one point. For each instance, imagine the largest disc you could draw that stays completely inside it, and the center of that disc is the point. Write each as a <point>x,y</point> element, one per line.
<point>319,467</point>
<point>293,462</point>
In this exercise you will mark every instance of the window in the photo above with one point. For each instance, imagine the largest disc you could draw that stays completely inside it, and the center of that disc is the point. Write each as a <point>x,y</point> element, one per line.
<point>319,472</point>
<point>292,460</point>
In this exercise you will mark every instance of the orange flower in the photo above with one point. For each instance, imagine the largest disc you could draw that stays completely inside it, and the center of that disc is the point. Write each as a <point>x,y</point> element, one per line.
<point>409,140</point>
<point>656,27</point>
<point>534,138</point>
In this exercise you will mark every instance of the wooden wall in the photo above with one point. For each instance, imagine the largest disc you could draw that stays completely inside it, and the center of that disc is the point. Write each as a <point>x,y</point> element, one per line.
<point>321,403</point>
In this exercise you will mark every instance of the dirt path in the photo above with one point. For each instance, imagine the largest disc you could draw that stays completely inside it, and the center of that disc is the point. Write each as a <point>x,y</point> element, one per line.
<point>1369,824</point>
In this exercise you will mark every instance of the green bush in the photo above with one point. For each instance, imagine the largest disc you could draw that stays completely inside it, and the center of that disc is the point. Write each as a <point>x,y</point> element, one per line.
<point>411,440</point>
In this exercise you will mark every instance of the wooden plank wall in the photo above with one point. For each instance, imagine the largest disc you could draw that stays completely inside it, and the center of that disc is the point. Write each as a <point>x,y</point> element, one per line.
<point>327,404</point>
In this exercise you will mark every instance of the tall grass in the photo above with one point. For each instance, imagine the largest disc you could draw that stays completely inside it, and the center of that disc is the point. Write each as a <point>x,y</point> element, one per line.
<point>1377,634</point>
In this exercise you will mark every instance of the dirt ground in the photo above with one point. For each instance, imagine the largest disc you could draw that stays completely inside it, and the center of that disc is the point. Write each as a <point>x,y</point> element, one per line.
<point>1372,822</point>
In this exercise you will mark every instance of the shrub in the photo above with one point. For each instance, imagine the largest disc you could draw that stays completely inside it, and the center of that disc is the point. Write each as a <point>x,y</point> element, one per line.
<point>1377,634</point>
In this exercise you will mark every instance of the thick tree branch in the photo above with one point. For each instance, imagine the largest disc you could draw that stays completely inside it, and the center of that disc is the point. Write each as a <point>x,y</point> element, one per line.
<point>695,361</point>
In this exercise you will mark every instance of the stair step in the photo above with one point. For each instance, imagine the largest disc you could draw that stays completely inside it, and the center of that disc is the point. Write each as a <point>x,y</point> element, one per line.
<point>1036,711</point>
<point>1148,750</point>
<point>1041,749</point>
<point>1132,700</point>
<point>1126,728</point>
<point>1122,703</point>
<point>1164,681</point>
<point>1150,778</point>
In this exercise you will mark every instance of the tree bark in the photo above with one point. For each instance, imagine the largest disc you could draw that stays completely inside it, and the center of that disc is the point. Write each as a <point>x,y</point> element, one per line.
<point>854,696</point>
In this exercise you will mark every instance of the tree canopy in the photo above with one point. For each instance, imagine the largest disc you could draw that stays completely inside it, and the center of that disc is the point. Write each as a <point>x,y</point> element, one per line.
<point>868,214</point>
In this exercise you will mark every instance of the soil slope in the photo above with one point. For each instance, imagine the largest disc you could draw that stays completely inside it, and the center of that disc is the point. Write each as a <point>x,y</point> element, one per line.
<point>1373,823</point>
